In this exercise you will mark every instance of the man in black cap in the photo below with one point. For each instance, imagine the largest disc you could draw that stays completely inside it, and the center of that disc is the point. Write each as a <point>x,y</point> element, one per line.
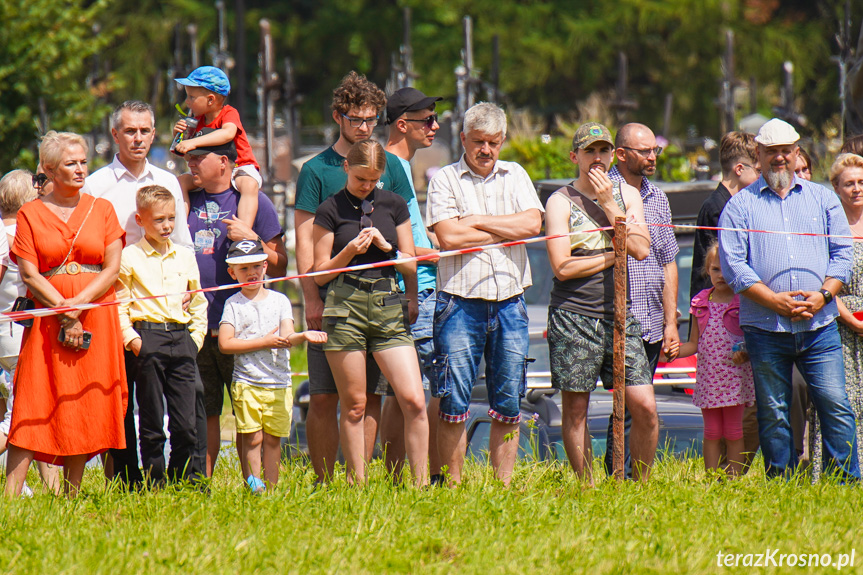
<point>412,126</point>
<point>213,223</point>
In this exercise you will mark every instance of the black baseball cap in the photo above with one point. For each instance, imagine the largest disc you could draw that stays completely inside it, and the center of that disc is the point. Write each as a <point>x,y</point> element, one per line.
<point>246,252</point>
<point>229,150</point>
<point>407,100</point>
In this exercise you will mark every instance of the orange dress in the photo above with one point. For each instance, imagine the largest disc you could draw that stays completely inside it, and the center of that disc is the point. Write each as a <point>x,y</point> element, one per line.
<point>69,402</point>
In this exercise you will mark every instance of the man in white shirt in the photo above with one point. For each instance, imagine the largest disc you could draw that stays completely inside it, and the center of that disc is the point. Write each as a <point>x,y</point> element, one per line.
<point>133,126</point>
<point>480,310</point>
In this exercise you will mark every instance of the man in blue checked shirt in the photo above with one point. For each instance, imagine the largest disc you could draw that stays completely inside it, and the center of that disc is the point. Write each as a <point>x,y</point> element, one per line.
<point>788,313</point>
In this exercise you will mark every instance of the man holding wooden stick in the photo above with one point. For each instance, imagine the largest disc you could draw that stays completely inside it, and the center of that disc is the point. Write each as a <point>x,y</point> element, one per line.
<point>581,313</point>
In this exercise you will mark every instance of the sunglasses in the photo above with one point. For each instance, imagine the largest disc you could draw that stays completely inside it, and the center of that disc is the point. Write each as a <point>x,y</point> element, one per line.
<point>428,121</point>
<point>365,220</point>
<point>39,180</point>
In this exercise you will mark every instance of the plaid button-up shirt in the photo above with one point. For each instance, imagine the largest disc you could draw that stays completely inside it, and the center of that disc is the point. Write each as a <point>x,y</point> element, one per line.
<point>647,277</point>
<point>456,191</point>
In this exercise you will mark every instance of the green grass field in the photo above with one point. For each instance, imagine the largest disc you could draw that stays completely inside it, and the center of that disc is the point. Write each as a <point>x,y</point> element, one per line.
<point>545,523</point>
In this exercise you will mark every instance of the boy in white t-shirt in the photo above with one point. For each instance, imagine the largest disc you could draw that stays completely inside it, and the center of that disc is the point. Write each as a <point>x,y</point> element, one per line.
<point>258,326</point>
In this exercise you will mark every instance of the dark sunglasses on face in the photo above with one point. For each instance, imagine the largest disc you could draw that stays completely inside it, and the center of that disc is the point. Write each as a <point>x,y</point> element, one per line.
<point>39,180</point>
<point>428,121</point>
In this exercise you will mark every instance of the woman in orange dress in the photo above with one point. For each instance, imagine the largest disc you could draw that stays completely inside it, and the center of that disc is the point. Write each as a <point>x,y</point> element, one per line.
<point>70,396</point>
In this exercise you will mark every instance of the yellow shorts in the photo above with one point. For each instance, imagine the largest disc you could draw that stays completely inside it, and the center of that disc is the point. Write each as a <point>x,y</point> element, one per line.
<point>266,408</point>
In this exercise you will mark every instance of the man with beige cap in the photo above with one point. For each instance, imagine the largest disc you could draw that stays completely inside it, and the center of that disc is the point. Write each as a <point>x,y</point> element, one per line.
<point>787,314</point>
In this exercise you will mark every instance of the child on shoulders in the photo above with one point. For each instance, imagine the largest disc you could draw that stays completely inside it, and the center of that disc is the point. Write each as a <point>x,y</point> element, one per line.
<point>258,326</point>
<point>207,88</point>
<point>724,384</point>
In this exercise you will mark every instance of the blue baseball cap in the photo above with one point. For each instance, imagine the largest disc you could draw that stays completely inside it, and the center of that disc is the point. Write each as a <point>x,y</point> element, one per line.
<point>208,77</point>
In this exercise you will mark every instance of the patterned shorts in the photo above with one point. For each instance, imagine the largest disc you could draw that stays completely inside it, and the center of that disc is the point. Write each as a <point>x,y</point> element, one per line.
<point>580,350</point>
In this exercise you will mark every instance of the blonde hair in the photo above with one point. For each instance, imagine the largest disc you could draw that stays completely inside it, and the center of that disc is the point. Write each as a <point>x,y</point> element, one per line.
<point>54,143</point>
<point>842,163</point>
<point>16,189</point>
<point>149,196</point>
<point>710,255</point>
<point>367,154</point>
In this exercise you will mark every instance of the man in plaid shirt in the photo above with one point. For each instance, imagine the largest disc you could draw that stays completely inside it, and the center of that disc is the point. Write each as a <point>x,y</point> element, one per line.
<point>652,281</point>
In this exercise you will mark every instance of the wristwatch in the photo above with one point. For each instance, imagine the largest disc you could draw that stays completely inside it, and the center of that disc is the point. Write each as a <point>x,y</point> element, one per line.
<point>828,295</point>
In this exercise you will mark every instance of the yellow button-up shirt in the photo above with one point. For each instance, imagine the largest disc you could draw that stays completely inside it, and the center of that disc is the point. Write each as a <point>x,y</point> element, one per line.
<point>145,272</point>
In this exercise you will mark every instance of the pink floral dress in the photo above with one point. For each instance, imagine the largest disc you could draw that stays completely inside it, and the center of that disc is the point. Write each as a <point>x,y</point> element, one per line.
<point>719,382</point>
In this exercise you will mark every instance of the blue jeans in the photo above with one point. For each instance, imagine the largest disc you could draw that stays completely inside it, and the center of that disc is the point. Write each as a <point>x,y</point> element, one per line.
<point>464,330</point>
<point>818,356</point>
<point>422,331</point>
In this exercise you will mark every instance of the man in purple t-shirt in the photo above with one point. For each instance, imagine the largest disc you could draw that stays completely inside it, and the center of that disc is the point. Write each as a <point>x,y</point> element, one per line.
<point>214,224</point>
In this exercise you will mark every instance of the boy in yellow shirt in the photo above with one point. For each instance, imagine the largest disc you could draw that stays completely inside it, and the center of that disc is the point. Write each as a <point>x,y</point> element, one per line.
<point>164,337</point>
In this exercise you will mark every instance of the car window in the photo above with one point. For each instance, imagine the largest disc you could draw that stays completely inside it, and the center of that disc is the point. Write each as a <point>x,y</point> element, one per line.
<point>558,451</point>
<point>539,294</point>
<point>540,271</point>
<point>528,442</point>
<point>680,442</point>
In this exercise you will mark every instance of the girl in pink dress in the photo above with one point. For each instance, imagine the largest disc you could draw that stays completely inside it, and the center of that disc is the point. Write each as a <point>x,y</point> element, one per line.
<point>724,384</point>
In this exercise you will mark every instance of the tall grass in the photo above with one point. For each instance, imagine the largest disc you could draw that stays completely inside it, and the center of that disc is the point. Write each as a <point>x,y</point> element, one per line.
<point>547,522</point>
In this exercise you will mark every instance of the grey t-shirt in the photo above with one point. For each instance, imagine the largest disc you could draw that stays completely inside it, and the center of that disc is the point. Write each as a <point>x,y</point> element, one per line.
<point>254,319</point>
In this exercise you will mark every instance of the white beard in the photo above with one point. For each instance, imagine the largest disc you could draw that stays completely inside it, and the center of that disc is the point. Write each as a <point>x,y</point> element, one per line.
<point>779,180</point>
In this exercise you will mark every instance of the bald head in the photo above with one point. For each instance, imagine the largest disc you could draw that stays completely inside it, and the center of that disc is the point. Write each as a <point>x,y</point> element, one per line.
<point>636,153</point>
<point>631,132</point>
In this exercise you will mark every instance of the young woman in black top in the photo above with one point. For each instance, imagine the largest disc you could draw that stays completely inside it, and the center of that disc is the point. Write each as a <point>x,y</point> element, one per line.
<point>363,311</point>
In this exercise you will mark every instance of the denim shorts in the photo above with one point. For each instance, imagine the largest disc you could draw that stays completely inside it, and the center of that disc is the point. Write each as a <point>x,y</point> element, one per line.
<point>464,330</point>
<point>422,331</point>
<point>580,351</point>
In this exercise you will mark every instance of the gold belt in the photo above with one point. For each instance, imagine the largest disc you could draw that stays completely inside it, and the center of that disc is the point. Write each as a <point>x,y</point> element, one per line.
<point>73,268</point>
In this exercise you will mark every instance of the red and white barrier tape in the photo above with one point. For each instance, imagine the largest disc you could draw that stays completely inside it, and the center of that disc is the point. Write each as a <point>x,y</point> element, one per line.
<point>778,232</point>
<point>8,316</point>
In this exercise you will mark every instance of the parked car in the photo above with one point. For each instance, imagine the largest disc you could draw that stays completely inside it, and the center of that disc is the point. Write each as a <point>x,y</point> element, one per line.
<point>685,199</point>
<point>540,432</point>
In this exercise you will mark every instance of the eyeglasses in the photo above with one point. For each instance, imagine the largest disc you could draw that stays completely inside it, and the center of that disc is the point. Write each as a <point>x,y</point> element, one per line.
<point>429,121</point>
<point>365,220</point>
<point>645,152</point>
<point>39,180</point>
<point>753,168</point>
<point>357,122</point>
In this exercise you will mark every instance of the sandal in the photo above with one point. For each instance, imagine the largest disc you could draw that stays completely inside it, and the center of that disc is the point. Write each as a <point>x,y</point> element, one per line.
<point>256,485</point>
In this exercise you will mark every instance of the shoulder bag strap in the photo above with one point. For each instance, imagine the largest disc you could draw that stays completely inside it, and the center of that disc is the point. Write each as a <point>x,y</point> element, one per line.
<point>72,245</point>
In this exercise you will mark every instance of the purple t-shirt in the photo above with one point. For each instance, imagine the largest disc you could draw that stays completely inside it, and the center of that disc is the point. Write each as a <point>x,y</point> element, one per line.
<point>209,234</point>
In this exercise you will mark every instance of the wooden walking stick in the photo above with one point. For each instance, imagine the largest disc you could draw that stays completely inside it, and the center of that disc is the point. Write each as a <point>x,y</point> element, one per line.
<point>619,346</point>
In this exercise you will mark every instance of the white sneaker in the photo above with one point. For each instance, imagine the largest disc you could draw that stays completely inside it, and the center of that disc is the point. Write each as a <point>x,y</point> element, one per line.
<point>26,491</point>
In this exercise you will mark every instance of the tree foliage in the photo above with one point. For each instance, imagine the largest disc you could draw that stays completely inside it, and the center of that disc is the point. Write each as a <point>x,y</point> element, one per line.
<point>44,50</point>
<point>554,54</point>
